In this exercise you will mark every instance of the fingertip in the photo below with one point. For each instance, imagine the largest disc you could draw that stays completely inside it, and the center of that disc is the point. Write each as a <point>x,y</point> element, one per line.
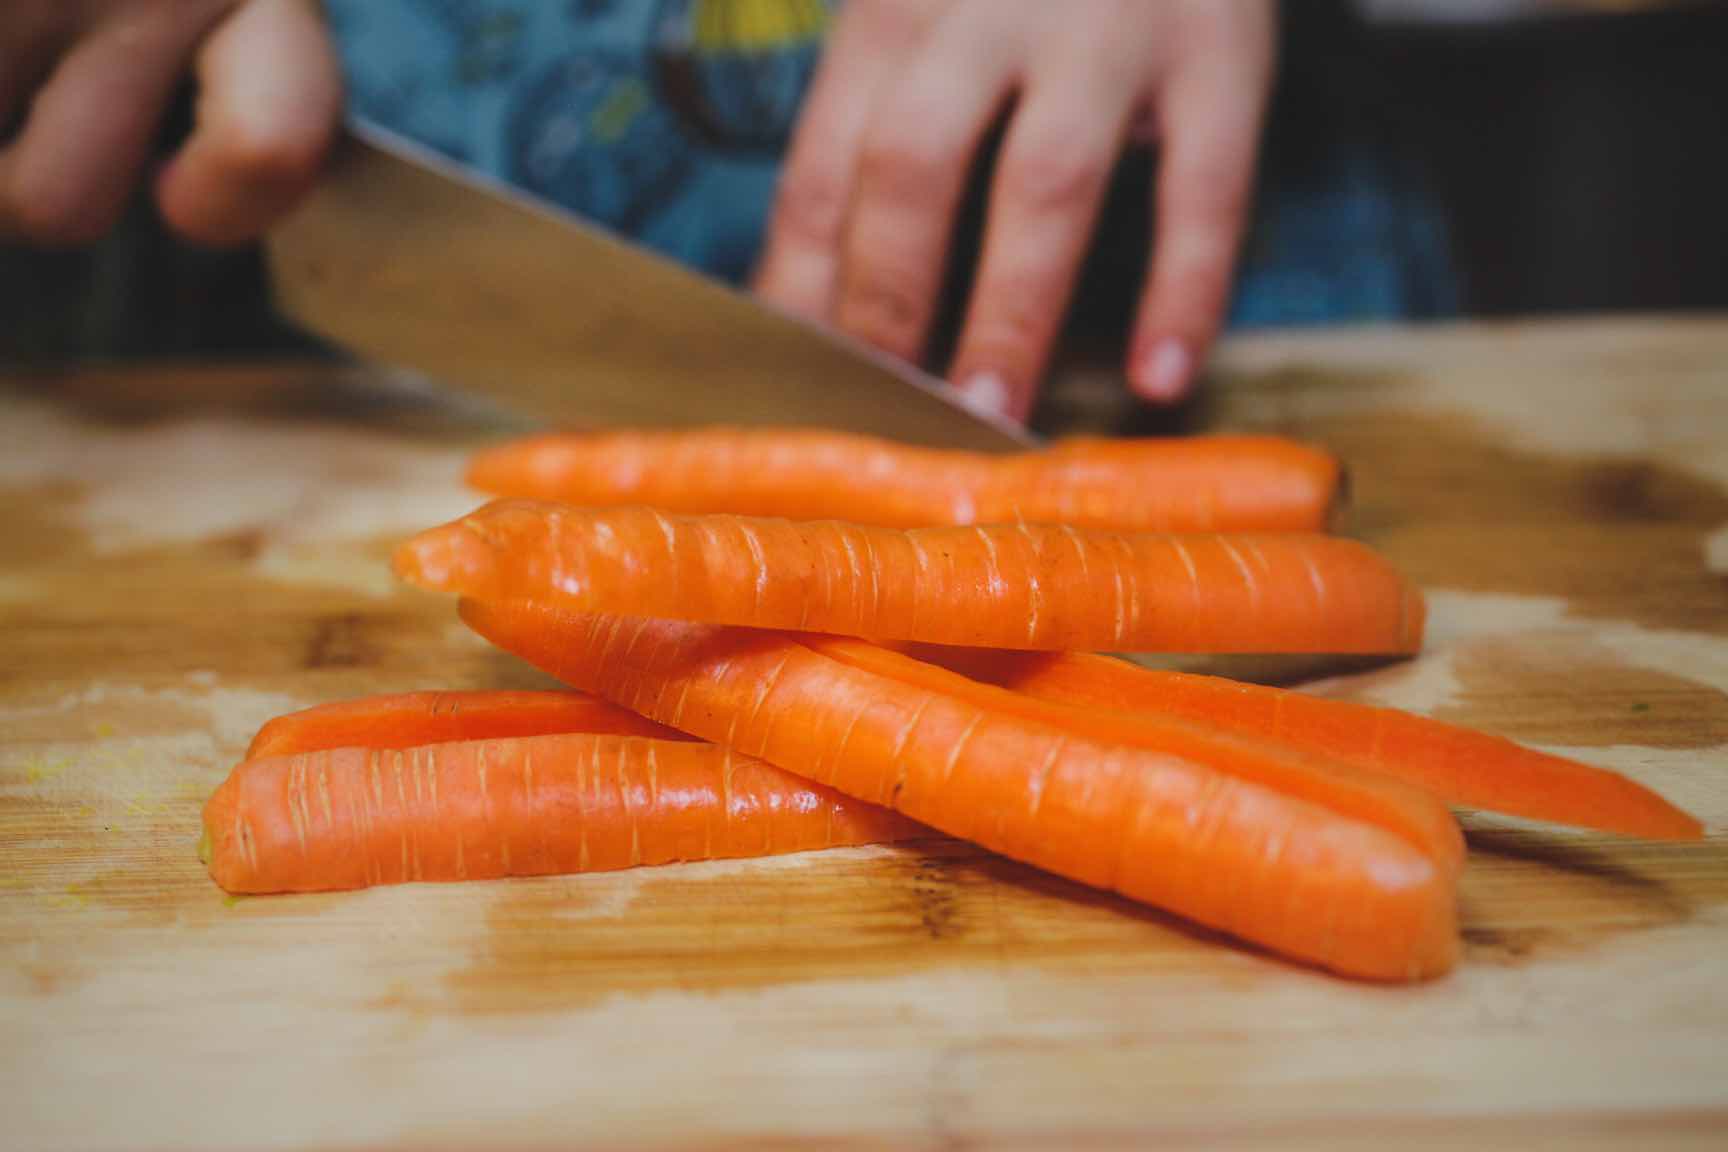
<point>227,186</point>
<point>996,394</point>
<point>1164,372</point>
<point>985,393</point>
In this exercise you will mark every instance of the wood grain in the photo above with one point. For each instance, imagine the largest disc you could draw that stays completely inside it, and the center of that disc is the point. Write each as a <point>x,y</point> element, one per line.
<point>184,553</point>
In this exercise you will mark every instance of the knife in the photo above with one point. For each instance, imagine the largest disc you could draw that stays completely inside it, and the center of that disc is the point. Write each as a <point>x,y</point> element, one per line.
<point>402,257</point>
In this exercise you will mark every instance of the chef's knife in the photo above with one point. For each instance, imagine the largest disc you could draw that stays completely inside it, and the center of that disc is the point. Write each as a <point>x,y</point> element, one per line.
<point>405,258</point>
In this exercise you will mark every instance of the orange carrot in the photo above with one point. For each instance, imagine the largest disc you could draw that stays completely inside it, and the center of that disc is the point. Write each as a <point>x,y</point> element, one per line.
<point>1194,484</point>
<point>1019,586</point>
<point>411,719</point>
<point>1371,797</point>
<point>1286,873</point>
<point>1472,769</point>
<point>535,805</point>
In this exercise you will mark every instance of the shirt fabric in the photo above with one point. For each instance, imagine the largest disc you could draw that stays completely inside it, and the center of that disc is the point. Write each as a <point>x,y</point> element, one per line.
<point>666,121</point>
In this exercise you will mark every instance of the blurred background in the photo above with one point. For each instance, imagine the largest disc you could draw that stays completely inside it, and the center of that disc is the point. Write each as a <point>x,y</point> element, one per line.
<point>1570,157</point>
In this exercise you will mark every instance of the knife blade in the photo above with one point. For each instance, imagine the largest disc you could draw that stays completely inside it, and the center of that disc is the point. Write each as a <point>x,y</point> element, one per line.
<point>405,258</point>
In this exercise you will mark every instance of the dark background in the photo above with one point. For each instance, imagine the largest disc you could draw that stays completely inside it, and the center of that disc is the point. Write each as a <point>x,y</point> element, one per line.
<point>1581,162</point>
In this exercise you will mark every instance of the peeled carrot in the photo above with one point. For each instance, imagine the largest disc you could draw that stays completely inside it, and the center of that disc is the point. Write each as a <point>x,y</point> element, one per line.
<point>1196,484</point>
<point>1021,586</point>
<point>1472,769</point>
<point>1372,797</point>
<point>1178,833</point>
<point>537,805</point>
<point>410,719</point>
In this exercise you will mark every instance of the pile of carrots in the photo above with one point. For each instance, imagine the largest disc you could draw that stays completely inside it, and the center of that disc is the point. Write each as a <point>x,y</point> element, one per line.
<point>783,640</point>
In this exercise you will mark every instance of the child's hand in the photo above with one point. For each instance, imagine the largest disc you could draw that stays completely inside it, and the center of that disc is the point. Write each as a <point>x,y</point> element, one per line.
<point>861,231</point>
<point>87,82</point>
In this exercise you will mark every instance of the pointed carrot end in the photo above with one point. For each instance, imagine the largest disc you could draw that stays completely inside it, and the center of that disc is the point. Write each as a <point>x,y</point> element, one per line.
<point>449,558</point>
<point>1607,801</point>
<point>493,622</point>
<point>474,614</point>
<point>1672,824</point>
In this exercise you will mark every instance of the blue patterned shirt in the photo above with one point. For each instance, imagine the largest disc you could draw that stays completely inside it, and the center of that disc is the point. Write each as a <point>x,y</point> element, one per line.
<point>666,120</point>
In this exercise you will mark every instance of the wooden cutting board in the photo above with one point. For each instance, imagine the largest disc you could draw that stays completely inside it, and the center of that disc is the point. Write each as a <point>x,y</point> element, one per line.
<point>186,553</point>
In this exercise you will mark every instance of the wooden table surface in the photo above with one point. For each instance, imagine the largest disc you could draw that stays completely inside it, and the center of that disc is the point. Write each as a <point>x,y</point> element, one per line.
<point>186,553</point>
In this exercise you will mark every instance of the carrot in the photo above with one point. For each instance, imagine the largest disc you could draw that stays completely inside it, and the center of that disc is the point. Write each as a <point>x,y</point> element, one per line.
<point>1175,832</point>
<point>1196,484</point>
<point>415,718</point>
<point>1021,586</point>
<point>1471,769</point>
<point>536,805</point>
<point>1394,805</point>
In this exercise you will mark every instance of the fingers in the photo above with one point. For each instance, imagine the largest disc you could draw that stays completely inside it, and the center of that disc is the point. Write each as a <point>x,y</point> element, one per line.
<point>1047,190</point>
<point>65,179</point>
<point>270,97</point>
<point>1210,116</point>
<point>801,257</point>
<point>31,39</point>
<point>917,153</point>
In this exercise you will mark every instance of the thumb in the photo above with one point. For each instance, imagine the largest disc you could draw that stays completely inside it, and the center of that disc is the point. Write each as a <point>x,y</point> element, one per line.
<point>270,96</point>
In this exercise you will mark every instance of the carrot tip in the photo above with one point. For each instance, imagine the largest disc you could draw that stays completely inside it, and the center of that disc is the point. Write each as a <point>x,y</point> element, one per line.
<point>1684,826</point>
<point>444,559</point>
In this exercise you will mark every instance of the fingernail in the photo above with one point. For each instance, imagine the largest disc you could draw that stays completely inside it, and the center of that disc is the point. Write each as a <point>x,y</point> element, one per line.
<point>1164,375</point>
<point>985,392</point>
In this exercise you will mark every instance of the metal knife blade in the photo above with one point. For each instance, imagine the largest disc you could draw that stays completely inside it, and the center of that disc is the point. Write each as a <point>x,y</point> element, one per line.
<point>405,258</point>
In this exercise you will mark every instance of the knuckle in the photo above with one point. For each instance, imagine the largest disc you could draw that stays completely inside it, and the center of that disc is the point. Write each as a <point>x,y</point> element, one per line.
<point>1014,320</point>
<point>886,22</point>
<point>811,203</point>
<point>909,160</point>
<point>1214,189</point>
<point>883,304</point>
<point>1055,176</point>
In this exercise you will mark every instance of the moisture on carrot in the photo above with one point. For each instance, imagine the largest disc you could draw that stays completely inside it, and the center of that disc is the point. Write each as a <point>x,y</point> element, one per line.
<point>1194,484</point>
<point>410,719</point>
<point>1464,767</point>
<point>538,805</point>
<point>1179,833</point>
<point>1002,586</point>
